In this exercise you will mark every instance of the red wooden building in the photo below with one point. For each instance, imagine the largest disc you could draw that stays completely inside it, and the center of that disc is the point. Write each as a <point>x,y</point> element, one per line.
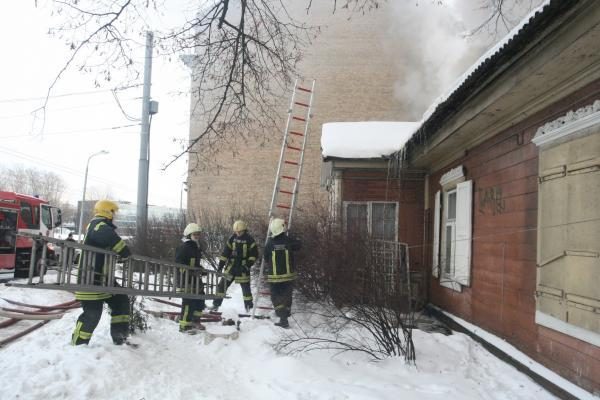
<point>498,189</point>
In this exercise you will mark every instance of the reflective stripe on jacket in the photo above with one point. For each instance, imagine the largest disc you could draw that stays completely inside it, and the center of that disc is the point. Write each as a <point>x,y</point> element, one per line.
<point>238,256</point>
<point>101,233</point>
<point>279,256</point>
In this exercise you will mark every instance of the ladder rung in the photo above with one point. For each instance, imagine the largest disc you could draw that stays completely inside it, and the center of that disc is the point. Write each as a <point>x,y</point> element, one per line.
<point>288,177</point>
<point>301,104</point>
<point>304,89</point>
<point>291,162</point>
<point>282,206</point>
<point>297,133</point>
<point>294,148</point>
<point>265,308</point>
<point>299,119</point>
<point>286,192</point>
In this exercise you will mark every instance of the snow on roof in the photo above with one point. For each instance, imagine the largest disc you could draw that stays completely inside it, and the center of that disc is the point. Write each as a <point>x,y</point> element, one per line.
<point>377,139</point>
<point>372,139</point>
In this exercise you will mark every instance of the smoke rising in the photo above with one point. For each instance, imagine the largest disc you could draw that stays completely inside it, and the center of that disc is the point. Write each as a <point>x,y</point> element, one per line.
<point>440,40</point>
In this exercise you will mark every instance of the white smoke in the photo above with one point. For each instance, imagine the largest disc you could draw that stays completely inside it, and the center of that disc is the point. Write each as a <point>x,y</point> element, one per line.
<point>439,43</point>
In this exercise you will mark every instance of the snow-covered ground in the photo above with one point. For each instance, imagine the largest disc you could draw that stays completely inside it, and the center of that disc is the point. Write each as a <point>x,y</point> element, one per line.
<point>169,365</point>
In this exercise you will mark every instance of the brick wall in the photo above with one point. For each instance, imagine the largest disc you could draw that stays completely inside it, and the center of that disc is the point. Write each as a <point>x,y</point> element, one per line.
<point>355,75</point>
<point>377,186</point>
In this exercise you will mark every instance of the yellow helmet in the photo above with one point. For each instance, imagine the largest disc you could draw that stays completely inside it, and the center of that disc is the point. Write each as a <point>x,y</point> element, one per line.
<point>105,208</point>
<point>239,226</point>
<point>277,227</point>
<point>191,228</point>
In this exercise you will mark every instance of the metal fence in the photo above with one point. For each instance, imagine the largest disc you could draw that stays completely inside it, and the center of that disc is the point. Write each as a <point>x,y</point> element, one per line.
<point>391,261</point>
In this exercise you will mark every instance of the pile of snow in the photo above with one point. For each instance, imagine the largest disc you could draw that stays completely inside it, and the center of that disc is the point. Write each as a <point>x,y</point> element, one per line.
<point>370,139</point>
<point>170,365</point>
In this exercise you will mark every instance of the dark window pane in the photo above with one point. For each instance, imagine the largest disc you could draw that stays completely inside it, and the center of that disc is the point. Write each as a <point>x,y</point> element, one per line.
<point>449,239</point>
<point>27,215</point>
<point>383,221</point>
<point>46,217</point>
<point>356,218</point>
<point>452,205</point>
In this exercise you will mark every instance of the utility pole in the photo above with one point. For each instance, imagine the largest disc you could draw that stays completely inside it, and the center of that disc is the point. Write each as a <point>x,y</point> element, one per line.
<point>149,108</point>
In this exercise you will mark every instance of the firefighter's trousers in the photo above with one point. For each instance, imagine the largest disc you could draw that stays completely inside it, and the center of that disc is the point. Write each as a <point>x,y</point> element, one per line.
<point>281,296</point>
<point>224,285</point>
<point>92,311</point>
<point>191,310</point>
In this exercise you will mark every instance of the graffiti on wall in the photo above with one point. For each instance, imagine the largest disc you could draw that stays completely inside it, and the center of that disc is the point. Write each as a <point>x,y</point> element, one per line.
<point>491,200</point>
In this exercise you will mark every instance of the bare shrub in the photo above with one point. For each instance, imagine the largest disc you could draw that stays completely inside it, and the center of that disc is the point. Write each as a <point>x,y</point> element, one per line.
<point>163,235</point>
<point>348,298</point>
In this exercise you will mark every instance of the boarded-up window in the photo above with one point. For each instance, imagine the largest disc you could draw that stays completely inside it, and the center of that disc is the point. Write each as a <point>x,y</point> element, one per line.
<point>568,256</point>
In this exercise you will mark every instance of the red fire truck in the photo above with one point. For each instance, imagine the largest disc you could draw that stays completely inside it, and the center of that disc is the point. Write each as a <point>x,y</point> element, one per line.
<point>22,213</point>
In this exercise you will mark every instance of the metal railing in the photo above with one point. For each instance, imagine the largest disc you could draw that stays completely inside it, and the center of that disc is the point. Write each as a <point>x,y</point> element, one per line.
<point>392,262</point>
<point>85,268</point>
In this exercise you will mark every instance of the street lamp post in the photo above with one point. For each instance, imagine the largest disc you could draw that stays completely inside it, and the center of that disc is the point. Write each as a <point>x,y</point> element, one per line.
<point>183,189</point>
<point>84,188</point>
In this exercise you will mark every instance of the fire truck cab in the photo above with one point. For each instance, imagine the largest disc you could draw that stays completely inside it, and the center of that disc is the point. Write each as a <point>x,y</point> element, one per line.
<point>22,213</point>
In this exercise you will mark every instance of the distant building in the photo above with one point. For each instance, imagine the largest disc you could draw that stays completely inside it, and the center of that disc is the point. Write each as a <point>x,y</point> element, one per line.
<point>126,217</point>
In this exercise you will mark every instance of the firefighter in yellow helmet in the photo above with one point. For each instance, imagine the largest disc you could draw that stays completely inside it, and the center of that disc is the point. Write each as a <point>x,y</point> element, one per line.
<point>189,252</point>
<point>101,233</point>
<point>239,255</point>
<point>281,272</point>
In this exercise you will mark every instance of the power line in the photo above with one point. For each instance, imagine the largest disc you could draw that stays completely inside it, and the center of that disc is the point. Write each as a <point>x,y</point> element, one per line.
<point>128,117</point>
<point>29,114</point>
<point>74,131</point>
<point>23,99</point>
<point>68,170</point>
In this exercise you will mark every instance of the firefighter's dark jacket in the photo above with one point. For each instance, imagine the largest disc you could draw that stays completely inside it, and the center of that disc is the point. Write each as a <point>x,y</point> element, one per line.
<point>190,254</point>
<point>101,233</point>
<point>279,255</point>
<point>240,253</point>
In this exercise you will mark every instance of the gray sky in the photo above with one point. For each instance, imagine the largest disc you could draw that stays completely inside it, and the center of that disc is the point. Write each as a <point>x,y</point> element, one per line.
<point>82,119</point>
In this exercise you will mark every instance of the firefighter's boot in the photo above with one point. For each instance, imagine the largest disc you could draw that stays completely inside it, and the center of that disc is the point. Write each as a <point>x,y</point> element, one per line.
<point>283,323</point>
<point>190,331</point>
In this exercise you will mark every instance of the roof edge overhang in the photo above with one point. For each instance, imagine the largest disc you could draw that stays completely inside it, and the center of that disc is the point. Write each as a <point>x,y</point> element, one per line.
<point>358,163</point>
<point>528,40</point>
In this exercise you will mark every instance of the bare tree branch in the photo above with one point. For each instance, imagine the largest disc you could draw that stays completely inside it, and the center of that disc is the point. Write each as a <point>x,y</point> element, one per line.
<point>245,54</point>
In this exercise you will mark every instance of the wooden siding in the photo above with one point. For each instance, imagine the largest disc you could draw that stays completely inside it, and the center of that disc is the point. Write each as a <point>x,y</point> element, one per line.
<point>501,296</point>
<point>375,186</point>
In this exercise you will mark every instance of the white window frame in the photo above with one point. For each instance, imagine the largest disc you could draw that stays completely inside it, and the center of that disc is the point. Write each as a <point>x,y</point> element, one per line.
<point>369,221</point>
<point>448,270</point>
<point>458,274</point>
